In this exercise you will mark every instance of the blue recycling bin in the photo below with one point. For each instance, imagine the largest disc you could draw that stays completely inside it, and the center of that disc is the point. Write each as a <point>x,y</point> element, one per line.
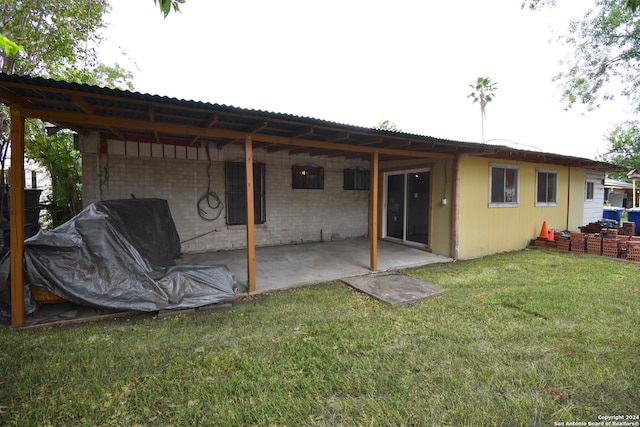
<point>634,216</point>
<point>613,213</point>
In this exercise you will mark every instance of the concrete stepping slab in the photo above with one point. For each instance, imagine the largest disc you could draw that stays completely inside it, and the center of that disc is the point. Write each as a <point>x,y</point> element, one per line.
<point>396,289</point>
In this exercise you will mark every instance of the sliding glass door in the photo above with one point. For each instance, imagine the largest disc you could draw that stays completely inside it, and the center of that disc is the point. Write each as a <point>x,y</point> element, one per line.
<point>406,203</point>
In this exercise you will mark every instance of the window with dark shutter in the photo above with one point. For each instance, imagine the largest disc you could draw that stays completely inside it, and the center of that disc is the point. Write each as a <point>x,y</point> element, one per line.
<point>236,190</point>
<point>356,179</point>
<point>307,177</point>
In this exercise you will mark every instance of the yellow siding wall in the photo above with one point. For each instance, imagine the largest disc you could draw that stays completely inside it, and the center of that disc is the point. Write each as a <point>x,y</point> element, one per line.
<point>441,187</point>
<point>484,230</point>
<point>577,182</point>
<point>441,231</point>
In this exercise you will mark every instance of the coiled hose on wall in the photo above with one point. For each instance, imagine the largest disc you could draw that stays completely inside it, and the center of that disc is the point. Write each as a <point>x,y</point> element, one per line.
<point>209,205</point>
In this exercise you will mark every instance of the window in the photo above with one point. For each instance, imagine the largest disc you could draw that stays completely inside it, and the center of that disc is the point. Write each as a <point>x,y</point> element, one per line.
<point>356,179</point>
<point>546,187</point>
<point>309,177</point>
<point>590,190</point>
<point>503,188</point>
<point>236,186</point>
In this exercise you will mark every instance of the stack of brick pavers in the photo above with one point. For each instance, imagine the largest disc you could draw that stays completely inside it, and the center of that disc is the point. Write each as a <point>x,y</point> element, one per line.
<point>564,243</point>
<point>594,244</point>
<point>625,234</point>
<point>540,242</point>
<point>633,249</point>
<point>628,229</point>
<point>611,242</point>
<point>578,242</point>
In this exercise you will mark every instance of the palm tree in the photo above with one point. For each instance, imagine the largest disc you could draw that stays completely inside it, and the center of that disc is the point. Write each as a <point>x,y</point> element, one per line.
<point>483,94</point>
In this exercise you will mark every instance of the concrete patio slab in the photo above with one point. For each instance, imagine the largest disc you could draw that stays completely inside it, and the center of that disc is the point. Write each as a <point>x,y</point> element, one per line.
<point>394,288</point>
<point>287,266</point>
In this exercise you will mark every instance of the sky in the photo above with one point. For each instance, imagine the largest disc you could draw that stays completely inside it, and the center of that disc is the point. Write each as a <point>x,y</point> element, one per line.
<point>359,62</point>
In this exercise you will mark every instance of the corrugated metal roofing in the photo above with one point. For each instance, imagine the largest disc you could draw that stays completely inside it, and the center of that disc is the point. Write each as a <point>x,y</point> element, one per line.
<point>118,114</point>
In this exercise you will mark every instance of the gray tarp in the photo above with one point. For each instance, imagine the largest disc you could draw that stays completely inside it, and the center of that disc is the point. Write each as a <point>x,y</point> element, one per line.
<point>119,254</point>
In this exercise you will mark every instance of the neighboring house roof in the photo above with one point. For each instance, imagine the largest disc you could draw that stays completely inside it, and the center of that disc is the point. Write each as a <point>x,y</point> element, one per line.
<point>126,115</point>
<point>612,183</point>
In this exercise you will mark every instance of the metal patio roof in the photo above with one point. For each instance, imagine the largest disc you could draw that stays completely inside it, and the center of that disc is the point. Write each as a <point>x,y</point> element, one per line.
<point>126,115</point>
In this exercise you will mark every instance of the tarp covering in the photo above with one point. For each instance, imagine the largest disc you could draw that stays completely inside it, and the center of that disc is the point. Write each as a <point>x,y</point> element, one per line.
<point>119,254</point>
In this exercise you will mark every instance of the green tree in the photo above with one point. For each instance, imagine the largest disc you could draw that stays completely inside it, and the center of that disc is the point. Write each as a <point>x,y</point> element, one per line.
<point>57,40</point>
<point>605,57</point>
<point>9,47</point>
<point>624,147</point>
<point>56,153</point>
<point>483,90</point>
<point>603,63</point>
<point>537,4</point>
<point>387,125</point>
<point>604,54</point>
<point>167,5</point>
<point>55,34</point>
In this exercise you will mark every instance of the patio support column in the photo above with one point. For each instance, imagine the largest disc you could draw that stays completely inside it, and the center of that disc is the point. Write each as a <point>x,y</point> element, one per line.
<point>373,213</point>
<point>16,214</point>
<point>455,203</point>
<point>251,241</point>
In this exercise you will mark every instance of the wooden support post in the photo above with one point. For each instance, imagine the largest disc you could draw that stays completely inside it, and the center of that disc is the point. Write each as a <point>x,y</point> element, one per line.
<point>455,203</point>
<point>16,213</point>
<point>373,213</point>
<point>251,241</point>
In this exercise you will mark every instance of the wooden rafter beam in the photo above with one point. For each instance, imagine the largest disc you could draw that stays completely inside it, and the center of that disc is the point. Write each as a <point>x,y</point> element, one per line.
<point>82,104</point>
<point>117,133</point>
<point>337,136</point>
<point>209,124</point>
<point>212,122</point>
<point>152,117</point>
<point>398,143</point>
<point>146,102</point>
<point>180,129</point>
<point>308,130</point>
<point>263,125</point>
<point>31,100</point>
<point>369,141</point>
<point>311,129</point>
<point>11,98</point>
<point>253,130</point>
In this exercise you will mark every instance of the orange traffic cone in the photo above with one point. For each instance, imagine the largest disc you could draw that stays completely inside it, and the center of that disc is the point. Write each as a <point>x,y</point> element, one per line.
<point>544,232</point>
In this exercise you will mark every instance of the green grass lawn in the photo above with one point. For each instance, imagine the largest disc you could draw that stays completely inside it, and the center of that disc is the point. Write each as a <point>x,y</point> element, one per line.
<point>527,338</point>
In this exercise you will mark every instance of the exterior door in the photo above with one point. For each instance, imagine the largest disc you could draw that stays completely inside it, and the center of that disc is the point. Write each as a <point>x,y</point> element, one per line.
<point>407,201</point>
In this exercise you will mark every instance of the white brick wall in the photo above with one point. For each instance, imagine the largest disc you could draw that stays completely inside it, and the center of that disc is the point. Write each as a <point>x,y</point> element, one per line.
<point>179,175</point>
